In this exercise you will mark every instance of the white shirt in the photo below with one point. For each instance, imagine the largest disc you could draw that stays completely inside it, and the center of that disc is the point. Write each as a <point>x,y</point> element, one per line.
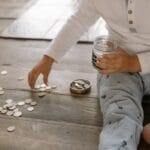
<point>128,19</point>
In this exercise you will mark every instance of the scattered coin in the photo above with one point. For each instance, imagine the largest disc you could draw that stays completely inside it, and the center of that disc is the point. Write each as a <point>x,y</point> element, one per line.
<point>9,113</point>
<point>8,105</point>
<point>11,128</point>
<point>4,72</point>
<point>42,89</point>
<point>37,86</point>
<point>5,107</point>
<point>21,103</point>
<point>12,108</point>
<point>43,86</point>
<point>8,101</point>
<point>17,114</point>
<point>53,86</point>
<point>48,88</point>
<point>21,78</point>
<point>2,92</point>
<point>41,94</point>
<point>4,111</point>
<point>1,89</point>
<point>28,101</point>
<point>33,103</point>
<point>16,110</point>
<point>30,108</point>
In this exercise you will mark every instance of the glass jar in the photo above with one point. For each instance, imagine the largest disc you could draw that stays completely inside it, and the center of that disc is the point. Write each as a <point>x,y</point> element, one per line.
<point>103,45</point>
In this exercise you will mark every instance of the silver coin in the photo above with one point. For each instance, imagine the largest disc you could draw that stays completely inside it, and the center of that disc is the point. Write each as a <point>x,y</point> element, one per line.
<point>2,92</point>
<point>43,86</point>
<point>21,103</point>
<point>11,128</point>
<point>1,89</point>
<point>37,86</point>
<point>41,94</point>
<point>53,86</point>
<point>9,113</point>
<point>48,88</point>
<point>4,111</point>
<point>28,101</point>
<point>17,114</point>
<point>4,72</point>
<point>5,106</point>
<point>12,108</point>
<point>8,101</point>
<point>8,105</point>
<point>33,103</point>
<point>16,110</point>
<point>21,78</point>
<point>30,108</point>
<point>42,89</point>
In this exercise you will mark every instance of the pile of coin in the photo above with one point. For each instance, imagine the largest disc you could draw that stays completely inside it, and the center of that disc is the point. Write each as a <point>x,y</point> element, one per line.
<point>11,108</point>
<point>43,89</point>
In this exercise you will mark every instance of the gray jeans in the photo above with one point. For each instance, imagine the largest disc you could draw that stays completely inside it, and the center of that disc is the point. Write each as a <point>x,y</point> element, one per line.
<point>120,96</point>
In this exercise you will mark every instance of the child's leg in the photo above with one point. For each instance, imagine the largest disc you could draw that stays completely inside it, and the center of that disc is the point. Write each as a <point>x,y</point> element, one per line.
<point>120,97</point>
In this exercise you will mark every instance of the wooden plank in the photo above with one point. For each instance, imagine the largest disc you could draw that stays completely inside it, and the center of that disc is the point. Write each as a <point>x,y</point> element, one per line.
<point>4,23</point>
<point>78,58</point>
<point>73,109</point>
<point>62,73</point>
<point>35,22</point>
<point>45,19</point>
<point>38,134</point>
<point>13,8</point>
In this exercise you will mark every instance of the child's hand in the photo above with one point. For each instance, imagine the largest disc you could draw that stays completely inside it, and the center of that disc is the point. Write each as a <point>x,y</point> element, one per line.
<point>120,61</point>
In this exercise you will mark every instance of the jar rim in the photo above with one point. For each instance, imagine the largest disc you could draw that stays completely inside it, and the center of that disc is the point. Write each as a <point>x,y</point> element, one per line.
<point>106,43</point>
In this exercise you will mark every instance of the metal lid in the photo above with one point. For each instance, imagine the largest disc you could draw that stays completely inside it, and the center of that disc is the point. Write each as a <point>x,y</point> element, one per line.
<point>80,86</point>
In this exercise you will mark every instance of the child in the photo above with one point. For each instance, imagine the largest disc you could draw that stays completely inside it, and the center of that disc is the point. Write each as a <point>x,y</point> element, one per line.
<point>124,76</point>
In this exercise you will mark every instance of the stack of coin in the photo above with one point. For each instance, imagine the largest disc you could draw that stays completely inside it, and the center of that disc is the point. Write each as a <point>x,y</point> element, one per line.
<point>43,89</point>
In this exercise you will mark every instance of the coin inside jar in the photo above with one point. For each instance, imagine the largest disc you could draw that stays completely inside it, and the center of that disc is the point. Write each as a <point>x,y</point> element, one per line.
<point>105,44</point>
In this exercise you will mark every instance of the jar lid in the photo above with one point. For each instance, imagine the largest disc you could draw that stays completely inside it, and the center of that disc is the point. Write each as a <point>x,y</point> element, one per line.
<point>80,86</point>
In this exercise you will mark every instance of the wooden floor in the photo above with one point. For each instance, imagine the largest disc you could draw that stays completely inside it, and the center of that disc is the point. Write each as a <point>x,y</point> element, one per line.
<point>45,19</point>
<point>60,121</point>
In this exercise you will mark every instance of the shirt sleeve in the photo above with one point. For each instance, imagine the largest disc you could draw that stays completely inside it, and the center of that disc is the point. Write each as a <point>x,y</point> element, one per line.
<point>144,59</point>
<point>85,15</point>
